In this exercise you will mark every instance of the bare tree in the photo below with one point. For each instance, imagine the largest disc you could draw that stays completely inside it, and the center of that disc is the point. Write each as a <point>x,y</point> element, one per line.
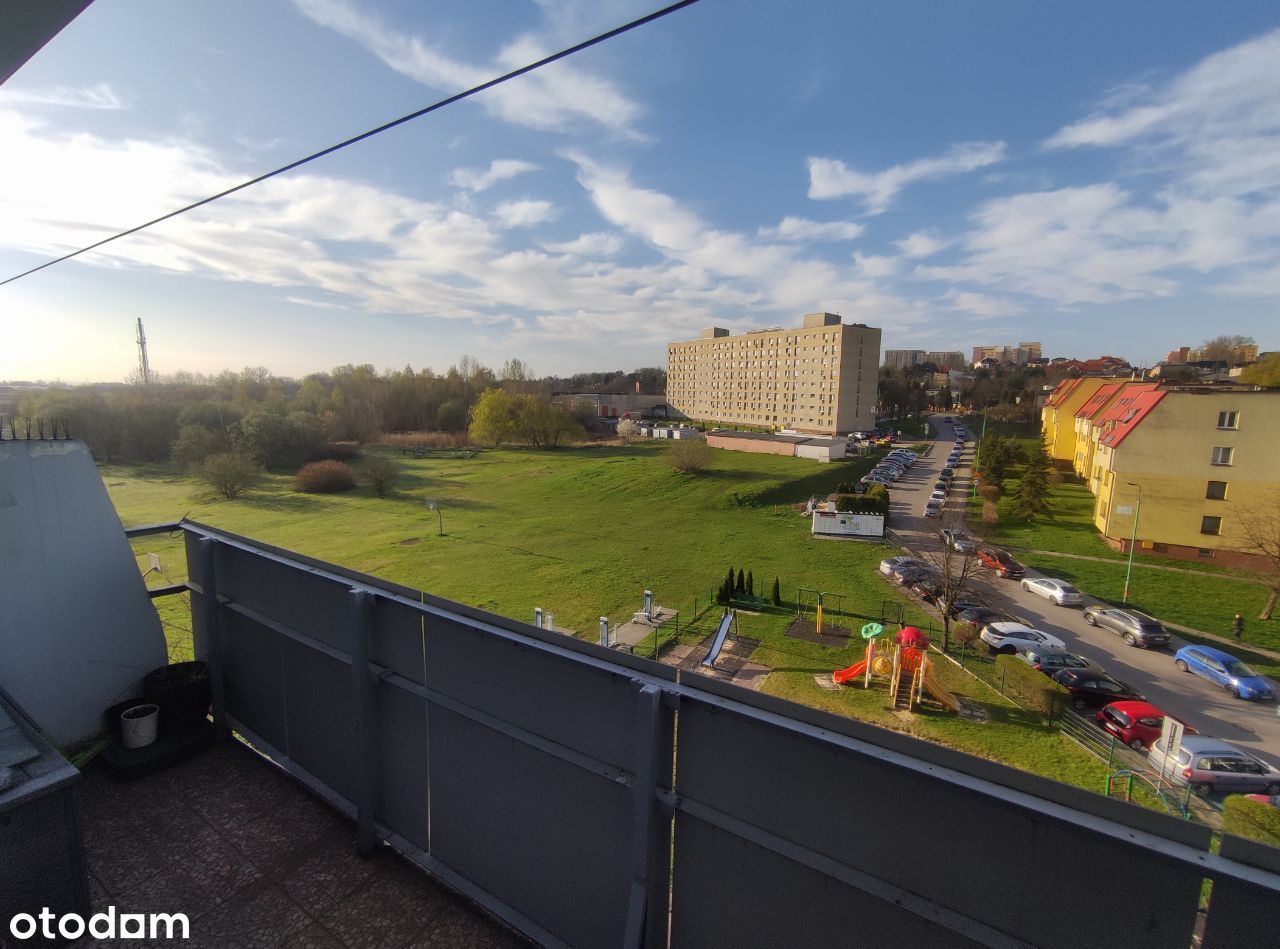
<point>1260,526</point>
<point>1224,348</point>
<point>956,569</point>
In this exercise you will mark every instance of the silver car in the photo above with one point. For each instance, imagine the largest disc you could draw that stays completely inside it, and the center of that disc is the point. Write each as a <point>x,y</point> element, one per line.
<point>1059,591</point>
<point>1211,764</point>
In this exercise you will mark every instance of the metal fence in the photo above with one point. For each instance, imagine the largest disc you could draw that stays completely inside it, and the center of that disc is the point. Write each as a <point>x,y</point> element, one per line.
<point>541,776</point>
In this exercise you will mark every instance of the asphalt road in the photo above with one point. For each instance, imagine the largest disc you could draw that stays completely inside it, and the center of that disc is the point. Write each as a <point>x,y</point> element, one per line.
<point>1212,711</point>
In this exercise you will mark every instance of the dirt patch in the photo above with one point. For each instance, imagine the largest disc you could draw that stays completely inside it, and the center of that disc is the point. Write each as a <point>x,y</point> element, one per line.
<point>411,542</point>
<point>833,637</point>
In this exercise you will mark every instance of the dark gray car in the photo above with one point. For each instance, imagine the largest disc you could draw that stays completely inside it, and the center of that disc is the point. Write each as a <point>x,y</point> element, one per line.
<point>1137,628</point>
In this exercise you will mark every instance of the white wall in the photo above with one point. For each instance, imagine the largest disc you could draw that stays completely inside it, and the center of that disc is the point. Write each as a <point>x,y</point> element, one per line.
<point>77,630</point>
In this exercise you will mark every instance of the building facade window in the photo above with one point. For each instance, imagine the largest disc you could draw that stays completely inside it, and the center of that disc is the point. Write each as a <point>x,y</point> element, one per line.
<point>1216,491</point>
<point>1210,525</point>
<point>1228,420</point>
<point>1223,456</point>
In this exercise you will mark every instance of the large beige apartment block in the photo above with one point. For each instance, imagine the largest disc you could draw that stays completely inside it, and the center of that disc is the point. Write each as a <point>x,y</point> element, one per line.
<point>820,377</point>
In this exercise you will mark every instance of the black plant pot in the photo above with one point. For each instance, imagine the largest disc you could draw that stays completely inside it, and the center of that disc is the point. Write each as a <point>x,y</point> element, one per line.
<point>182,692</point>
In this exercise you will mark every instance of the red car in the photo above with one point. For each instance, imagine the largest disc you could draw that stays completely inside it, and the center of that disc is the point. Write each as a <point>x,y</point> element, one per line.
<point>1137,724</point>
<point>993,558</point>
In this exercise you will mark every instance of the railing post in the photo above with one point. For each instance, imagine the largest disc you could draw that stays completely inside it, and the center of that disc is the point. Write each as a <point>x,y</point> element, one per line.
<point>366,723</point>
<point>213,629</point>
<point>644,787</point>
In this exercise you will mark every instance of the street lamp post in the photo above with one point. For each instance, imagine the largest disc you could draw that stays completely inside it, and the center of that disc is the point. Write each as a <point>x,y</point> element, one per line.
<point>977,454</point>
<point>434,505</point>
<point>1133,540</point>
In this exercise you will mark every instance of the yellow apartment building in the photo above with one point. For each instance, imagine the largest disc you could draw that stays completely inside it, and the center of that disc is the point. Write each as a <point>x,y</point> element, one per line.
<point>1109,402</point>
<point>1199,458</point>
<point>1058,417</point>
<point>820,377</point>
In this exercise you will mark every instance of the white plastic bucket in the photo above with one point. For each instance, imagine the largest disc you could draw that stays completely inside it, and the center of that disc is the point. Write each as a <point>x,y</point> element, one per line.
<point>138,725</point>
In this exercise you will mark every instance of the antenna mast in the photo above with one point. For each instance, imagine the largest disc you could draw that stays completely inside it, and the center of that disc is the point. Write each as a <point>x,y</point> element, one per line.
<point>144,367</point>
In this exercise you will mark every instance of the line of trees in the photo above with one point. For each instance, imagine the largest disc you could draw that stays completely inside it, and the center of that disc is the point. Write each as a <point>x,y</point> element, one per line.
<point>280,421</point>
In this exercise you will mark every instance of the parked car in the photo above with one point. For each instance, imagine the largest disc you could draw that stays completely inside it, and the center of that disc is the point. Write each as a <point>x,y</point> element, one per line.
<point>913,574</point>
<point>890,564</point>
<point>940,486</point>
<point>1211,764</point>
<point>960,541</point>
<point>1050,661</point>
<point>947,418</point>
<point>946,474</point>
<point>929,589</point>
<point>993,558</point>
<point>1135,723</point>
<point>880,479</point>
<point>1059,591</point>
<point>939,496</point>
<point>1090,688</point>
<point>963,602</point>
<point>1137,628</point>
<point>932,508</point>
<point>1226,670</point>
<point>1009,637</point>
<point>982,615</point>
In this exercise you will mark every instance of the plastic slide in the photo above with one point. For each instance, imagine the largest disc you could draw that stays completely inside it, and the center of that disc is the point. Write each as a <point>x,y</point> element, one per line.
<point>844,675</point>
<point>937,690</point>
<point>717,643</point>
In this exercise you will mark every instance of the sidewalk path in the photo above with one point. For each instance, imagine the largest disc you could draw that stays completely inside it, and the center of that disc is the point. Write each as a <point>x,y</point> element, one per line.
<point>1149,566</point>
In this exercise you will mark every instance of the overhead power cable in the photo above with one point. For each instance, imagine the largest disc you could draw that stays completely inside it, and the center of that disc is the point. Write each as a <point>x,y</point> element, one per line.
<point>457,97</point>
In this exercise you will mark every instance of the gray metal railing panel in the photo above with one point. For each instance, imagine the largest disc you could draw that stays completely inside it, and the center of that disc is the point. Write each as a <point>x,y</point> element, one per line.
<point>551,837</point>
<point>398,643</point>
<point>320,715</point>
<point>287,594</point>
<point>253,670</point>
<point>403,769</point>
<point>729,892</point>
<point>900,821</point>
<point>552,696</point>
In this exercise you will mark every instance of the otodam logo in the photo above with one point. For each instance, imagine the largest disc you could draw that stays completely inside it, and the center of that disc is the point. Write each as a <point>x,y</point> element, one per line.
<point>105,925</point>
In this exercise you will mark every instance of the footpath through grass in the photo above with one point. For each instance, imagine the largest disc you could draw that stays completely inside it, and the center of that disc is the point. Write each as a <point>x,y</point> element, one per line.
<point>582,533</point>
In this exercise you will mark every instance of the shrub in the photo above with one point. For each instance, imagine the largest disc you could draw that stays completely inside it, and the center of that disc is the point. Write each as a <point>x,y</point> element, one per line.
<point>229,473</point>
<point>278,441</point>
<point>382,474</point>
<point>751,584</point>
<point>689,456</point>
<point>628,429</point>
<point>1251,819</point>
<point>452,417</point>
<point>776,596</point>
<point>1030,687</point>
<point>740,587</point>
<point>324,477</point>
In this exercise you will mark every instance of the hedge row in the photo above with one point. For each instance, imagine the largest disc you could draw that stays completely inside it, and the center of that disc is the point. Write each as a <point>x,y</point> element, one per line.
<point>1030,687</point>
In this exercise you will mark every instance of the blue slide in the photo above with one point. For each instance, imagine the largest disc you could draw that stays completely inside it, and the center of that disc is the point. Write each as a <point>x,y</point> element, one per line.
<point>717,643</point>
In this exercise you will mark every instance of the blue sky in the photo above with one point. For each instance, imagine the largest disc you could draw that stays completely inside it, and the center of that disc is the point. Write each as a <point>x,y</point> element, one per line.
<point>1103,180</point>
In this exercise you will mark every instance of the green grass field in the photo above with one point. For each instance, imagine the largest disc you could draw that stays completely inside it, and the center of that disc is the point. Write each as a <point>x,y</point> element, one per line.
<point>582,532</point>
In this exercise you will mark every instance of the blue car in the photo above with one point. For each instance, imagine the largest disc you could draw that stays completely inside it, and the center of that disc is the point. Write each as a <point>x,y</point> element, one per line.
<point>1226,670</point>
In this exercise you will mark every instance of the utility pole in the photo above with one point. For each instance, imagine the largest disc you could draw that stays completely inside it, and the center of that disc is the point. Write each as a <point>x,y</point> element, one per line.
<point>144,367</point>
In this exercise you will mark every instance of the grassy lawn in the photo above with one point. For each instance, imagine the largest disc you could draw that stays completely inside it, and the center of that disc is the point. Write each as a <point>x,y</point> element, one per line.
<point>582,532</point>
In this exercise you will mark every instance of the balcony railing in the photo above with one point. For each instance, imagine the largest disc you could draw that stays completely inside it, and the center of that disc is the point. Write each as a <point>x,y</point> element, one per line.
<point>592,798</point>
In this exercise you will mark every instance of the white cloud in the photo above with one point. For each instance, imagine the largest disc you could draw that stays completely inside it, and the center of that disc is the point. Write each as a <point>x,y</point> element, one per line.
<point>920,245</point>
<point>871,265</point>
<point>524,213</point>
<point>800,229</point>
<point>978,304</point>
<point>597,244</point>
<point>1216,126</point>
<point>98,96</point>
<point>832,178</point>
<point>500,169</point>
<point>554,97</point>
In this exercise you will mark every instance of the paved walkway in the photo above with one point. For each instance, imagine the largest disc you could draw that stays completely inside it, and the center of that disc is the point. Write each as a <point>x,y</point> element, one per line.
<point>1151,566</point>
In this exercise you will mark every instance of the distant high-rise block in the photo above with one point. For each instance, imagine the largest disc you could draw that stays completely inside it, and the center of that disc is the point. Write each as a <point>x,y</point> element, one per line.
<point>820,377</point>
